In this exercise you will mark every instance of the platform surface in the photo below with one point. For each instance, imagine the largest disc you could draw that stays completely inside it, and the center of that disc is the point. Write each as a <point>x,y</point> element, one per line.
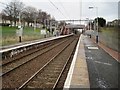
<point>78,74</point>
<point>92,67</point>
<point>24,44</point>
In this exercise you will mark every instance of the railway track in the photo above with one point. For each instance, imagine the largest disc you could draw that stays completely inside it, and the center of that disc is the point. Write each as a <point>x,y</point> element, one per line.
<point>60,84</point>
<point>22,55</point>
<point>48,76</point>
<point>14,78</point>
<point>16,63</point>
<point>30,51</point>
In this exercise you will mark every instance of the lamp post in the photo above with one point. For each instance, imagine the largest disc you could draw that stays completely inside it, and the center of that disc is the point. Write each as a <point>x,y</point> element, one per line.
<point>20,26</point>
<point>97,22</point>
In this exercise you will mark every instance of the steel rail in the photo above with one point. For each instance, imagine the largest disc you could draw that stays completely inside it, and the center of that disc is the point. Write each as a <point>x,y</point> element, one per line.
<point>62,71</point>
<point>19,88</point>
<point>32,59</point>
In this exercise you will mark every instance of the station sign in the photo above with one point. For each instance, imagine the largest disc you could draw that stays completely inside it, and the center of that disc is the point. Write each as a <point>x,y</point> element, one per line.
<point>19,31</point>
<point>43,31</point>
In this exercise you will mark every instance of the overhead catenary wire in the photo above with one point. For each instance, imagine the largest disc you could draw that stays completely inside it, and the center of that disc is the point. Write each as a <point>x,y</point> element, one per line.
<point>57,8</point>
<point>65,9</point>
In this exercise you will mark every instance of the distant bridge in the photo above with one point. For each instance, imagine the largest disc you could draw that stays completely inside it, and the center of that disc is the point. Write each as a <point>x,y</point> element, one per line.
<point>75,26</point>
<point>76,20</point>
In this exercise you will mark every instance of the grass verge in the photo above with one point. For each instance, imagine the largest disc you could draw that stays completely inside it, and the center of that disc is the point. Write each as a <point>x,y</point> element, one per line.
<point>9,35</point>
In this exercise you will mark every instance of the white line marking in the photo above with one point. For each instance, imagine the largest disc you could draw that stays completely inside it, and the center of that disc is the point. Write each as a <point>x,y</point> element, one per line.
<point>70,73</point>
<point>87,45</point>
<point>92,47</point>
<point>103,63</point>
<point>89,58</point>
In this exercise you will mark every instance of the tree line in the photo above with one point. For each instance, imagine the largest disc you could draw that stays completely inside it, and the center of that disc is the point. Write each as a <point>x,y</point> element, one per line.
<point>16,9</point>
<point>93,24</point>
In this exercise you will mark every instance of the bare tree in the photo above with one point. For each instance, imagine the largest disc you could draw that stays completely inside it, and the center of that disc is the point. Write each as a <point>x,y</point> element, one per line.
<point>13,9</point>
<point>43,17</point>
<point>29,14</point>
<point>8,12</point>
<point>39,17</point>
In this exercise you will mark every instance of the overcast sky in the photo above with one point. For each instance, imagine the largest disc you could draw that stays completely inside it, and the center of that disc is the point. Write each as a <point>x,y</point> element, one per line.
<point>74,9</point>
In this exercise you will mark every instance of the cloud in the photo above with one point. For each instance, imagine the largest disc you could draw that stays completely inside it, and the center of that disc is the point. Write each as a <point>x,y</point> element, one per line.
<point>71,8</point>
<point>108,10</point>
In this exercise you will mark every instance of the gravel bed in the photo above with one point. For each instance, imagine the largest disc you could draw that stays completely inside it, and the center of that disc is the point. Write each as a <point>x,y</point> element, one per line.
<point>49,75</point>
<point>15,78</point>
<point>61,82</point>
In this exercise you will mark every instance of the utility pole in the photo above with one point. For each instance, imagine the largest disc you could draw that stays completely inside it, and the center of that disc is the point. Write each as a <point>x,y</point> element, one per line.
<point>97,37</point>
<point>80,10</point>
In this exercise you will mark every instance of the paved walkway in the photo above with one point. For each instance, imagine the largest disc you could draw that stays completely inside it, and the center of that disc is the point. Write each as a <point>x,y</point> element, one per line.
<point>113,53</point>
<point>92,67</point>
<point>78,77</point>
<point>103,69</point>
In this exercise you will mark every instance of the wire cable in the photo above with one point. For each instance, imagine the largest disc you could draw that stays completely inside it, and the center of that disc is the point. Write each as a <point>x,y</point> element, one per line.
<point>56,7</point>
<point>65,9</point>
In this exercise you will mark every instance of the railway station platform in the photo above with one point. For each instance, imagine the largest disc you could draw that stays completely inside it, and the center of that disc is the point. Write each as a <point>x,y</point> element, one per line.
<point>78,74</point>
<point>31,42</point>
<point>11,50</point>
<point>92,67</point>
<point>89,66</point>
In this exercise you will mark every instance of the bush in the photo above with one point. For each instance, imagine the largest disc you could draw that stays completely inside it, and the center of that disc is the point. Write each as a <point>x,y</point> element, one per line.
<point>4,24</point>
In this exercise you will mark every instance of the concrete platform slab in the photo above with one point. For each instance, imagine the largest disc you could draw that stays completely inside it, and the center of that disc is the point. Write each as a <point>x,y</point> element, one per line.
<point>78,74</point>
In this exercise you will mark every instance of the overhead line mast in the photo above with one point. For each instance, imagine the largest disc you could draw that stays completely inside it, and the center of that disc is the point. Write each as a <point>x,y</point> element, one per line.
<point>80,10</point>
